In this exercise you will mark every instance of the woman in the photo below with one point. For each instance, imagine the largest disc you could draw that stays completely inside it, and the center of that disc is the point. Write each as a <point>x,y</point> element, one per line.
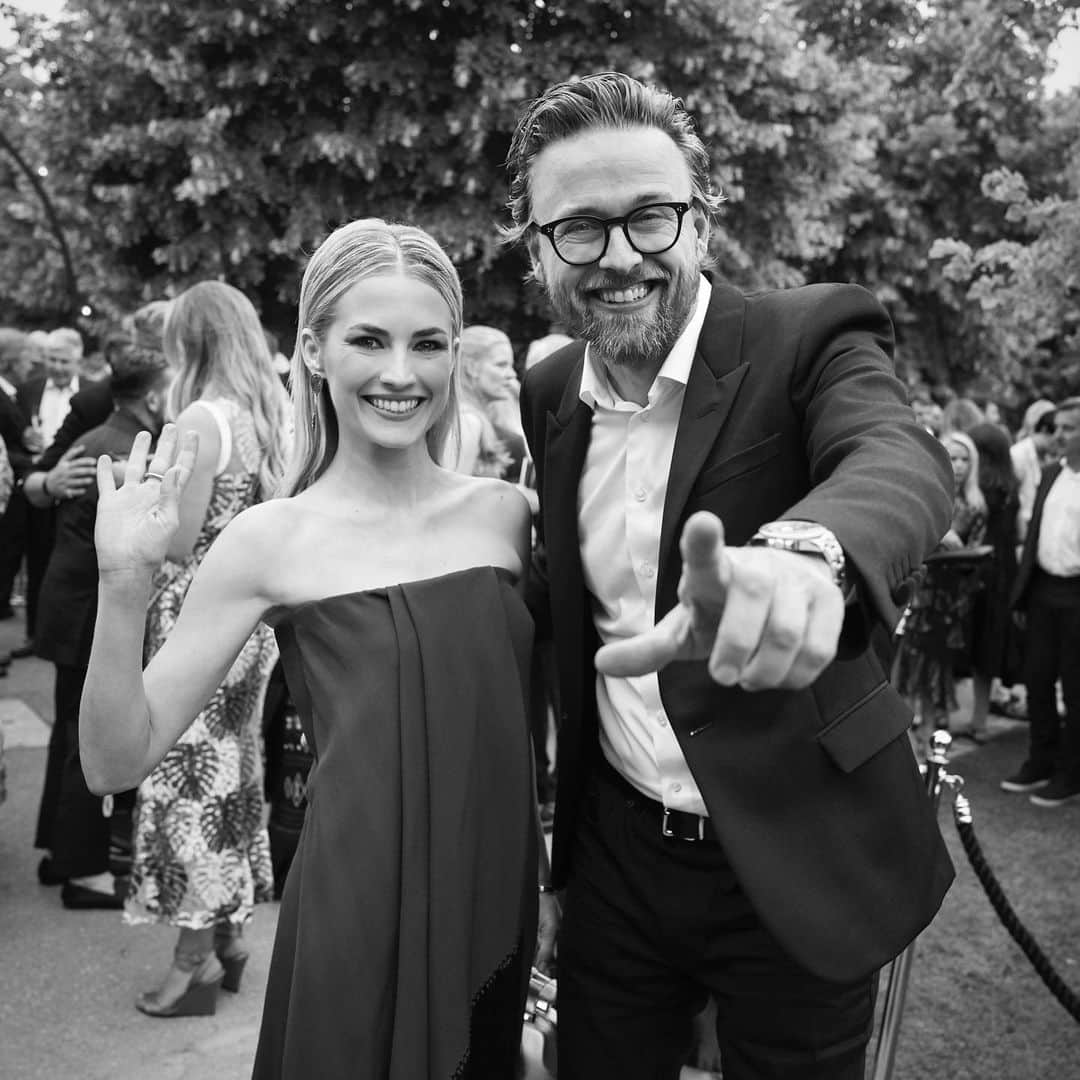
<point>991,619</point>
<point>406,926</point>
<point>937,627</point>
<point>201,856</point>
<point>491,440</point>
<point>969,504</point>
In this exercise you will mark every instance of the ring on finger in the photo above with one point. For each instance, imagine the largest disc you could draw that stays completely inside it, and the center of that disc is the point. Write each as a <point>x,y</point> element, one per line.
<point>153,476</point>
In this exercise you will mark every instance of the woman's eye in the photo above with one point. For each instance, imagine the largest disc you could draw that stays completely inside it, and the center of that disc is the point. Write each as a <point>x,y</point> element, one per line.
<point>364,342</point>
<point>430,345</point>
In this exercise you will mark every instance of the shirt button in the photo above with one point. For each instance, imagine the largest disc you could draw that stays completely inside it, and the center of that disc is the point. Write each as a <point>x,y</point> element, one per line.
<point>662,721</point>
<point>640,494</point>
<point>676,787</point>
<point>647,570</point>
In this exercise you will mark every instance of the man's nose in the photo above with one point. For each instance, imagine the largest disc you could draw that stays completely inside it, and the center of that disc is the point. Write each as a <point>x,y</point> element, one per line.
<point>620,255</point>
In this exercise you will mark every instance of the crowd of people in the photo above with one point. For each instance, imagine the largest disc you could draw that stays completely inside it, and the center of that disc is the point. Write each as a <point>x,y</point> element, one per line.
<point>1000,600</point>
<point>669,539</point>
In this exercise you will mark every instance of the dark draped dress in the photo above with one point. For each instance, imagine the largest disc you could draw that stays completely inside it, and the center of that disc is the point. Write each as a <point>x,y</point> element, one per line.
<point>408,918</point>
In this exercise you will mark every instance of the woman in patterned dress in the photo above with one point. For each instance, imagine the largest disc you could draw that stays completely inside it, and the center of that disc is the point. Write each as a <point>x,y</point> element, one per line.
<point>201,855</point>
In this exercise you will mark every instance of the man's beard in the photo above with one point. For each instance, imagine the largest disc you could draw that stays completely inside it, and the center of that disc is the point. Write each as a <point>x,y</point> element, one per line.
<point>636,341</point>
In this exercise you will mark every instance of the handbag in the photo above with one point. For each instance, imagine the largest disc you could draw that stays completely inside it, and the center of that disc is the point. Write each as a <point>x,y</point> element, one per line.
<point>539,1028</point>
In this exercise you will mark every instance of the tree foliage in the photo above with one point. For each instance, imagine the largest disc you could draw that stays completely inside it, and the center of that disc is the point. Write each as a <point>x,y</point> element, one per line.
<point>188,139</point>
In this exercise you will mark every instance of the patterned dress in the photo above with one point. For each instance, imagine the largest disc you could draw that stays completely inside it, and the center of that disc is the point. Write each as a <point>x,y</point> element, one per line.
<point>201,851</point>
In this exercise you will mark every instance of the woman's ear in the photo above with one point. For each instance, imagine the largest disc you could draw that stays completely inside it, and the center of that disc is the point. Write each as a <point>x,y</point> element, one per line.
<point>310,350</point>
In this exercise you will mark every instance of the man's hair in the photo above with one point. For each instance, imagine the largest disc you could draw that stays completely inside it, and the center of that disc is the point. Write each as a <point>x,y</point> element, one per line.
<point>65,337</point>
<point>1070,404</point>
<point>607,99</point>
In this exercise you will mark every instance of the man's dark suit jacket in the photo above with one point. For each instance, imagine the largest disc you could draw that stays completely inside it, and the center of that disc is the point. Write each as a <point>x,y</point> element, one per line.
<point>67,604</point>
<point>13,422</point>
<point>791,410</point>
<point>1029,556</point>
<point>87,409</point>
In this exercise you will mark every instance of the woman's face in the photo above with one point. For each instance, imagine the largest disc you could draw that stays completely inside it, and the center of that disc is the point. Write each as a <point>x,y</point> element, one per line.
<point>388,359</point>
<point>961,462</point>
<point>495,377</point>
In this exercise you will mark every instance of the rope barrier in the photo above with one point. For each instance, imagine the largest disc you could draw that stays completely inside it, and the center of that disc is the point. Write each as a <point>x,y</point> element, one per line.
<point>1009,919</point>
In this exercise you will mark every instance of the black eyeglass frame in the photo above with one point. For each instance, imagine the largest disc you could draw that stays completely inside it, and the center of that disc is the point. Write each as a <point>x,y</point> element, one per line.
<point>681,209</point>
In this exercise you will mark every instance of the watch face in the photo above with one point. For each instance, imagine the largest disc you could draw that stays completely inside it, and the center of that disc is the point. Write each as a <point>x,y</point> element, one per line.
<point>791,530</point>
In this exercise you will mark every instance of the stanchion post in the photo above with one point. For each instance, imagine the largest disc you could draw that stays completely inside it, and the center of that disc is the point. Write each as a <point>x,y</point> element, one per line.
<point>900,970</point>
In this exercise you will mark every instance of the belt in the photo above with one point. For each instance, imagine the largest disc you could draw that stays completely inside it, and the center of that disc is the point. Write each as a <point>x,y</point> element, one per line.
<point>674,824</point>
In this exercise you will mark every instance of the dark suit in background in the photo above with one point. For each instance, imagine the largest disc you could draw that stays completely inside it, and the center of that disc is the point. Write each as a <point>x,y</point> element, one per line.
<point>1051,651</point>
<point>88,407</point>
<point>70,821</point>
<point>13,422</point>
<point>791,411</point>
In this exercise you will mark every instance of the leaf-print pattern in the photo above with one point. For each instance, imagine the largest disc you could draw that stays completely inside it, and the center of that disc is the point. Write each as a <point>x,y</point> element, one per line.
<point>201,852</point>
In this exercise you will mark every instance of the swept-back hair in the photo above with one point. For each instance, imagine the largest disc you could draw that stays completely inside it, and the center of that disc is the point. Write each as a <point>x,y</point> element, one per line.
<point>215,341</point>
<point>606,99</point>
<point>351,253</point>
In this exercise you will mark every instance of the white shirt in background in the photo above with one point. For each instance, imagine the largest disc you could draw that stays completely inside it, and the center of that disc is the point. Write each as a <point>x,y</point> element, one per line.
<point>1059,532</point>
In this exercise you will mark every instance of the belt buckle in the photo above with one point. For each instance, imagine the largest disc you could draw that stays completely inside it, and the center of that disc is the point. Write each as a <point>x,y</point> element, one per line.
<point>666,832</point>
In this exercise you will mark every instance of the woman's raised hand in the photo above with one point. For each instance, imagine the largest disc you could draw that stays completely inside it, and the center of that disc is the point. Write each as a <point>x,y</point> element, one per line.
<point>136,520</point>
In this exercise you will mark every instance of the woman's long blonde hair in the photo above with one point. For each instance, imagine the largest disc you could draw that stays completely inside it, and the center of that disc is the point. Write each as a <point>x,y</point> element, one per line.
<point>361,249</point>
<point>215,341</point>
<point>969,491</point>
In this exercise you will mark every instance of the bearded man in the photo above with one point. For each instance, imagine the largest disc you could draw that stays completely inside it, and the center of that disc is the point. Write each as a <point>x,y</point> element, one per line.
<point>733,490</point>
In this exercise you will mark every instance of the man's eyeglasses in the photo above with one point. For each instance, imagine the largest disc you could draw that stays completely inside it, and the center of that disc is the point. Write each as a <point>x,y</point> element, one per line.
<point>649,230</point>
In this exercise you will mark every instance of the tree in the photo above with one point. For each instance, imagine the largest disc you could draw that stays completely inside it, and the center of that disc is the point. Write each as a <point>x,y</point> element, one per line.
<point>193,139</point>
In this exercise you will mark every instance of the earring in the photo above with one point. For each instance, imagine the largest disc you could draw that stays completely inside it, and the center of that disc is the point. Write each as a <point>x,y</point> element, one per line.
<point>317,381</point>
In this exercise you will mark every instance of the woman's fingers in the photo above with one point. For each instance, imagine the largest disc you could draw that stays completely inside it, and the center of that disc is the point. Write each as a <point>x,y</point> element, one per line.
<point>164,453</point>
<point>105,481</point>
<point>136,462</point>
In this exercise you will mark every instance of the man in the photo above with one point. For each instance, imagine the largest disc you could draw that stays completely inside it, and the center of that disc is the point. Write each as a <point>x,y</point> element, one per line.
<point>1035,440</point>
<point>46,399</point>
<point>14,368</point>
<point>1047,590</point>
<point>71,821</point>
<point>749,823</point>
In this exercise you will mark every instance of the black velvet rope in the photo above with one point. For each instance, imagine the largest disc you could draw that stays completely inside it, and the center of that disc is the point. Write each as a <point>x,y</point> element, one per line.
<point>1020,934</point>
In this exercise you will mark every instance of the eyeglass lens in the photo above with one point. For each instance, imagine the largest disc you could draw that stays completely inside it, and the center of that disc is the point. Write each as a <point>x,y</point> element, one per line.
<point>651,229</point>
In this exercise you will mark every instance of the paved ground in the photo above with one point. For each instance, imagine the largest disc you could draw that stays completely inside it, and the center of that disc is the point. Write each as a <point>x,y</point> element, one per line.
<point>69,978</point>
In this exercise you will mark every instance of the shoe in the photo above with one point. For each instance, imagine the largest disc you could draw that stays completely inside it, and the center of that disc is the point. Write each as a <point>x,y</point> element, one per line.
<point>200,997</point>
<point>232,964</point>
<point>80,898</point>
<point>1058,792</point>
<point>20,652</point>
<point>46,874</point>
<point>1027,778</point>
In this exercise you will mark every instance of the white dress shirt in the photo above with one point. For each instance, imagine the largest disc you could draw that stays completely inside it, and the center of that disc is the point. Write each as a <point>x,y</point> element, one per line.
<point>1059,533</point>
<point>620,506</point>
<point>54,407</point>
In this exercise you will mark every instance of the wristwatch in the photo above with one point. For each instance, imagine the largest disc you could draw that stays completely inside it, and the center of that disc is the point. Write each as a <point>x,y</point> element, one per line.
<point>805,538</point>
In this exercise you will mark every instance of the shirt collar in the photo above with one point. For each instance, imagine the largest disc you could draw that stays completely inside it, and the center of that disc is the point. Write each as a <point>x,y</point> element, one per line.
<point>7,387</point>
<point>72,384</point>
<point>595,387</point>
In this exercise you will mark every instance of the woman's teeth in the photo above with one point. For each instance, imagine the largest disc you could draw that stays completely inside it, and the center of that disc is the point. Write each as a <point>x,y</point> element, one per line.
<point>398,406</point>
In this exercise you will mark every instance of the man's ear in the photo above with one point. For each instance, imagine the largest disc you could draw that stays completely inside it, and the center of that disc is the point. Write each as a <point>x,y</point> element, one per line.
<point>701,227</point>
<point>310,349</point>
<point>532,246</point>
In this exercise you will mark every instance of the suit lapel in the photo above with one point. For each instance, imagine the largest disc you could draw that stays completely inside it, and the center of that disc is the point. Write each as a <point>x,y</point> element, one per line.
<point>567,440</point>
<point>715,378</point>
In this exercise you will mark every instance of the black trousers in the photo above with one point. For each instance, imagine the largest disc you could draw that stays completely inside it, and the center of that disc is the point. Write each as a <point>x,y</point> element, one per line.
<point>12,543</point>
<point>1052,652</point>
<point>40,537</point>
<point>79,832</point>
<point>651,928</point>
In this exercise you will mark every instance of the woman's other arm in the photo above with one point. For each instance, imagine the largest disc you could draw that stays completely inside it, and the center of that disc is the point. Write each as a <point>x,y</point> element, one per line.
<point>195,498</point>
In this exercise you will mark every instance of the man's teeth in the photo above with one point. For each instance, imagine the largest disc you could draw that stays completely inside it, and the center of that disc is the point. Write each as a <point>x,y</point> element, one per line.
<point>396,405</point>
<point>624,296</point>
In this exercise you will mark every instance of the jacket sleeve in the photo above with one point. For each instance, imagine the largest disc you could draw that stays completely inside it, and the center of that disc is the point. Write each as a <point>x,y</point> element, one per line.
<point>880,482</point>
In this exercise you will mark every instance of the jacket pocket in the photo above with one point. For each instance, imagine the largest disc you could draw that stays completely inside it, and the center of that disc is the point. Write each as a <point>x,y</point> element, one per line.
<point>743,461</point>
<point>865,727</point>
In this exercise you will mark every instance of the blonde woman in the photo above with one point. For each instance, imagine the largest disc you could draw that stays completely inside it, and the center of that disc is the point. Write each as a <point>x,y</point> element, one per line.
<point>969,504</point>
<point>201,856</point>
<point>408,920</point>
